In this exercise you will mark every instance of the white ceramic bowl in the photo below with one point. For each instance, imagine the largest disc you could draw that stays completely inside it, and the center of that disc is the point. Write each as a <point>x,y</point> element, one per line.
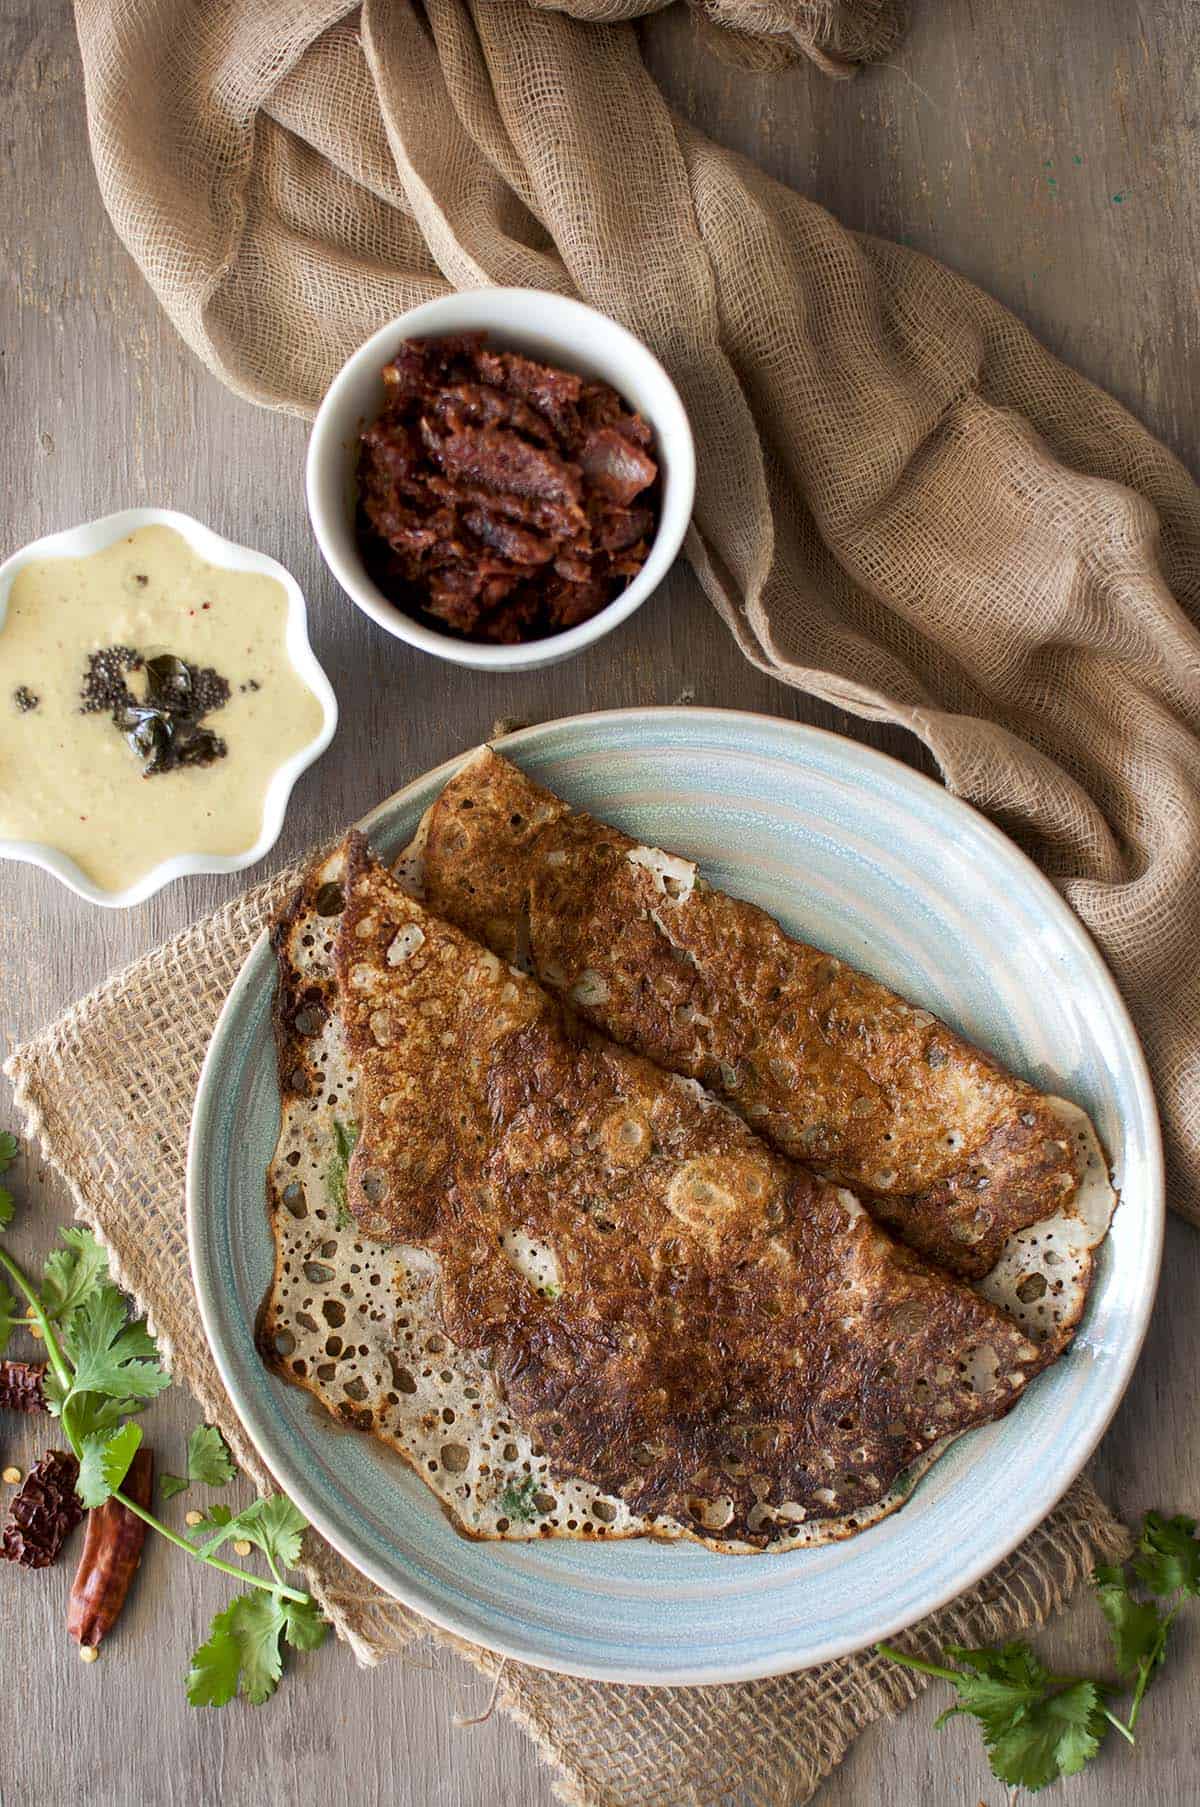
<point>94,536</point>
<point>557,331</point>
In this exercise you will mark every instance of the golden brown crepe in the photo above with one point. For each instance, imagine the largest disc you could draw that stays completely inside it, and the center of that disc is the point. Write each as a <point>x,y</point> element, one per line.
<point>674,1312</point>
<point>942,1144</point>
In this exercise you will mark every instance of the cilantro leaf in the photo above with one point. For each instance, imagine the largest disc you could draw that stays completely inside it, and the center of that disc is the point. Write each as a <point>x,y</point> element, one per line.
<point>212,1679</point>
<point>1167,1557</point>
<point>273,1524</point>
<point>276,1526</point>
<point>9,1149</point>
<point>1136,1627</point>
<point>103,1370</point>
<point>72,1272</point>
<point>242,1650</point>
<point>208,1459</point>
<point>303,1626</point>
<point>997,1682</point>
<point>104,1462</point>
<point>257,1624</point>
<point>1054,1736</point>
<point>1038,1726</point>
<point>92,1412</point>
<point>110,1355</point>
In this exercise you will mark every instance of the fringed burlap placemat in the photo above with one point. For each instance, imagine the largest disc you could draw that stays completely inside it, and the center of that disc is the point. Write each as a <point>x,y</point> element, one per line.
<point>108,1091</point>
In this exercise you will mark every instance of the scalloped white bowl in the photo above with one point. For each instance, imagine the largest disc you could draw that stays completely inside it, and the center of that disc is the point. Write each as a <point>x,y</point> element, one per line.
<point>94,536</point>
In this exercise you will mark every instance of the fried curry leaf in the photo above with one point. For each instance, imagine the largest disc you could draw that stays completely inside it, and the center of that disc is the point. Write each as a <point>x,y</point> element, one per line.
<point>163,729</point>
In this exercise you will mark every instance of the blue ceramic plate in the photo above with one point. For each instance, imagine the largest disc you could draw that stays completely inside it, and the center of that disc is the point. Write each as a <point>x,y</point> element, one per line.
<point>851,850</point>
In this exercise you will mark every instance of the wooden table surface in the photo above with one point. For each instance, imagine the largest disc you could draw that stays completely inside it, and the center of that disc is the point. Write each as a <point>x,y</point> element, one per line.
<point>1050,152</point>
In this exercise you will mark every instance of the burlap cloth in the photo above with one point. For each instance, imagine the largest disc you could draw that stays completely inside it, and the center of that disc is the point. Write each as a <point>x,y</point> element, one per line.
<point>108,1091</point>
<point>905,506</point>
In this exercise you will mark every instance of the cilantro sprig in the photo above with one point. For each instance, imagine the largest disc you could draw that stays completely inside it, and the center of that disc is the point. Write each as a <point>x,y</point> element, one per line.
<point>1038,1726</point>
<point>244,1644</point>
<point>103,1371</point>
<point>208,1461</point>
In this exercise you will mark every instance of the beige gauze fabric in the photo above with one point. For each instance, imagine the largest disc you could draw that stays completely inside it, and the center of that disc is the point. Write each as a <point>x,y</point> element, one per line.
<point>905,505</point>
<point>107,1092</point>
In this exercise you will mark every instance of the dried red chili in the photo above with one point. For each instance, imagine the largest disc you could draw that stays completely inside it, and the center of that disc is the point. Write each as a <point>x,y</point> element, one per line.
<point>43,1512</point>
<point>506,498</point>
<point>21,1386</point>
<point>112,1552</point>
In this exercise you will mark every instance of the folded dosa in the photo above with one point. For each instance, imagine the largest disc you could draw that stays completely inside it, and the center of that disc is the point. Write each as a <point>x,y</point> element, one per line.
<point>965,1162</point>
<point>356,1323</point>
<point>669,1309</point>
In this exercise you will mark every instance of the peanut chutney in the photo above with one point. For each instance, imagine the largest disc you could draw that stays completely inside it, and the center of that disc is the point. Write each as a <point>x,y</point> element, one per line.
<point>147,699</point>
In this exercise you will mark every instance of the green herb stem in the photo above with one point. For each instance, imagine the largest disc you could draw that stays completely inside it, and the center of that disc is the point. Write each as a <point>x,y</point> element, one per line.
<point>915,1662</point>
<point>1119,1725</point>
<point>1146,1668</point>
<point>275,1586</point>
<point>62,1372</point>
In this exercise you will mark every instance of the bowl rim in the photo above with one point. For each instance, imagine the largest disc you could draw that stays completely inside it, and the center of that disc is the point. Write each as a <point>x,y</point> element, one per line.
<point>327,446</point>
<point>95,536</point>
<point>860,759</point>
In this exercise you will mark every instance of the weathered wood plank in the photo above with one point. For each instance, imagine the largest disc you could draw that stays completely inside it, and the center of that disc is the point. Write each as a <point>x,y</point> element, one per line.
<point>952,149</point>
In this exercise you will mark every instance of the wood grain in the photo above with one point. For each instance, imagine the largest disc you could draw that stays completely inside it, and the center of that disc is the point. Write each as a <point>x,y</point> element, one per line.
<point>998,141</point>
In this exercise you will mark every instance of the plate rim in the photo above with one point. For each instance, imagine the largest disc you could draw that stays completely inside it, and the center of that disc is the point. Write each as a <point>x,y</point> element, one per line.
<point>291,1477</point>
